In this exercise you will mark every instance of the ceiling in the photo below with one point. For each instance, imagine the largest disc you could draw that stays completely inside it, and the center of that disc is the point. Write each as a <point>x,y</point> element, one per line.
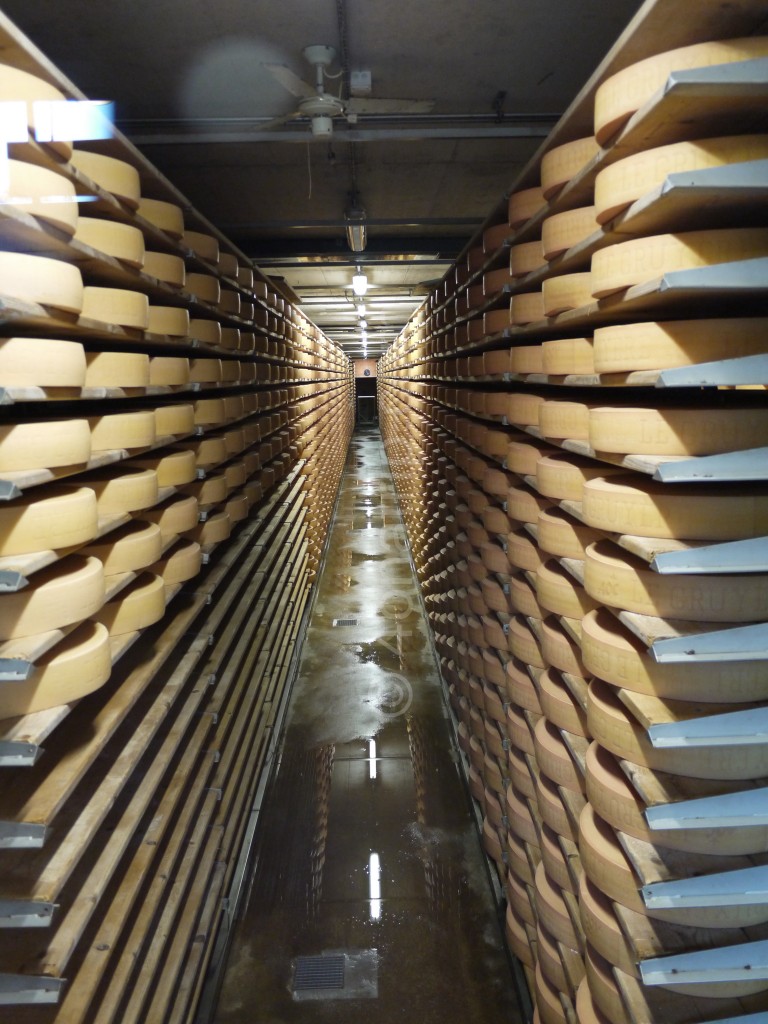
<point>191,90</point>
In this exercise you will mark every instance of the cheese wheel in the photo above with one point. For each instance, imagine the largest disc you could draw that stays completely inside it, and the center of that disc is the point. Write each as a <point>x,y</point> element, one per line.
<point>553,810</point>
<point>559,649</point>
<point>568,355</point>
<point>53,518</point>
<point>523,205</point>
<point>566,291</point>
<point>122,241</point>
<point>663,345</point>
<point>137,606</point>
<point>682,431</point>
<point>163,215</point>
<point>123,430</point>
<point>527,359</point>
<point>564,162</point>
<point>525,505</point>
<point>117,306</point>
<point>559,706</point>
<point>174,516</point>
<point>228,264</point>
<point>587,1010</point>
<point>558,592</point>
<point>230,338</point>
<point>117,370</point>
<point>601,928</point>
<point>244,276</point>
<point>553,758</point>
<point>214,530</point>
<point>611,652</point>
<point>68,591</point>
<point>619,96</point>
<point>211,491</point>
<point>168,371</point>
<point>615,578</point>
<point>230,371</point>
<point>44,445</point>
<point>523,643</point>
<point>641,260</point>
<point>41,280</point>
<point>209,451</point>
<point>526,308</point>
<point>203,245</point>
<point>494,237</point>
<point>229,301</point>
<point>170,320</point>
<point>165,267</point>
<point>41,362</point>
<point>525,258</point>
<point>208,331</point>
<point>210,411</point>
<point>183,562</point>
<point>172,468</point>
<point>76,666</point>
<point>559,534</point>
<point>564,476</point>
<point>562,231</point>
<point>204,286</point>
<point>621,183</point>
<point>614,728</point>
<point>522,408</point>
<point>133,546</point>
<point>552,909</point>
<point>495,281</point>
<point>121,489</point>
<point>494,321</point>
<point>237,508</point>
<point>42,193</point>
<point>205,371</point>
<point>627,505</point>
<point>565,420</point>
<point>112,175</point>
<point>174,420</point>
<point>522,550</point>
<point>522,598</point>
<point>22,86</point>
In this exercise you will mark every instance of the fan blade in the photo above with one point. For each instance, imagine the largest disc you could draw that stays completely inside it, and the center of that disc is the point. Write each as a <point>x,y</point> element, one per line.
<point>290,81</point>
<point>367,105</point>
<point>276,122</point>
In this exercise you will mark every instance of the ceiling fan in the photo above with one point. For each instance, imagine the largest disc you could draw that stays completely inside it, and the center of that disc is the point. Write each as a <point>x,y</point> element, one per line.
<point>321,106</point>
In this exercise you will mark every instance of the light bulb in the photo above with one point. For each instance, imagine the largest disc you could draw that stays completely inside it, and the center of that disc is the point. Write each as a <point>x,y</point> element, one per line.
<point>360,309</point>
<point>363,324</point>
<point>359,284</point>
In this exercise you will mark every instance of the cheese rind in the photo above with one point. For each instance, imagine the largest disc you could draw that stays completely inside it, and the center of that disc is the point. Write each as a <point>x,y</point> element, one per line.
<point>163,215</point>
<point>41,362</point>
<point>117,370</point>
<point>165,267</point>
<point>127,430</point>
<point>564,162</point>
<point>118,306</point>
<point>44,445</point>
<point>68,591</point>
<point>41,193</point>
<point>133,546</point>
<point>115,176</point>
<point>137,606</point>
<point>41,280</point>
<point>55,518</point>
<point>667,344</point>
<point>122,241</point>
<point>694,430</point>
<point>562,231</point>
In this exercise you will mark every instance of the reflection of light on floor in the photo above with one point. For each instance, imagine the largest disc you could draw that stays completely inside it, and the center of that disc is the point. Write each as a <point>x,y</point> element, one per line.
<point>374,886</point>
<point>372,759</point>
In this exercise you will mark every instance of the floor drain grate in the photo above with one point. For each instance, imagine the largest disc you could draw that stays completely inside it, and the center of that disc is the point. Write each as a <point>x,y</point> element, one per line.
<point>345,622</point>
<point>318,973</point>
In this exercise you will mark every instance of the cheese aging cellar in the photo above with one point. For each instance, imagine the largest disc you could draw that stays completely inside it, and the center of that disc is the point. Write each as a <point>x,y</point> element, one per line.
<point>384,512</point>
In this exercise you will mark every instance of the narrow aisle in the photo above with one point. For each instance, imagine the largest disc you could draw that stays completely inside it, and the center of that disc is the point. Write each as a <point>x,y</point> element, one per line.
<point>365,849</point>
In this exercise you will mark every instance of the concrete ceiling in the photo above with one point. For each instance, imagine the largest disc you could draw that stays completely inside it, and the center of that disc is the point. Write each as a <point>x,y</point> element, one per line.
<point>191,90</point>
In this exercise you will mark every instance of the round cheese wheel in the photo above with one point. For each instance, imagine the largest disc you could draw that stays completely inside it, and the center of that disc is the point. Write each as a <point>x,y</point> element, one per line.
<point>694,430</point>
<point>42,280</point>
<point>42,193</point>
<point>524,505</point>
<point>559,649</point>
<point>566,291</point>
<point>664,345</point>
<point>641,260</point>
<point>619,96</point>
<point>526,307</point>
<point>172,468</point>
<point>559,534</point>
<point>613,653</point>
<point>163,215</point>
<point>123,430</point>
<point>228,264</point>
<point>553,810</point>
<point>601,977</point>
<point>601,928</point>
<point>522,409</point>
<point>616,802</point>
<point>170,320</point>
<point>562,231</point>
<point>627,505</point>
<point>203,245</point>
<point>523,599</point>
<point>210,412</point>
<point>137,606</point>
<point>207,331</point>
<point>525,258</point>
<point>168,371</point>
<point>122,241</point>
<point>522,550</point>
<point>564,476</point>
<point>211,491</point>
<point>53,518</point>
<point>22,86</point>
<point>523,643</point>
<point>564,162</point>
<point>121,489</point>
<point>524,204</point>
<point>67,591</point>
<point>615,578</point>
<point>174,516</point>
<point>230,371</point>
<point>553,910</point>
<point>568,355</point>
<point>165,267</point>
<point>41,362</point>
<point>174,420</point>
<point>229,302</point>
<point>183,562</point>
<point>564,420</point>
<point>133,546</point>
<point>209,451</point>
<point>621,183</point>
<point>526,359</point>
<point>587,1010</point>
<point>559,706</point>
<point>520,688</point>
<point>204,286</point>
<point>245,276</point>
<point>494,237</point>
<point>553,758</point>
<point>230,338</point>
<point>117,306</point>
<point>117,370</point>
<point>112,175</point>
<point>214,530</point>
<point>44,445</point>
<point>76,666</point>
<point>558,591</point>
<point>205,371</point>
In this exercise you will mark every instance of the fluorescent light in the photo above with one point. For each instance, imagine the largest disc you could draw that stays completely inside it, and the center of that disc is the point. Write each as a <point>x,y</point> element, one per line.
<point>374,886</point>
<point>356,236</point>
<point>359,284</point>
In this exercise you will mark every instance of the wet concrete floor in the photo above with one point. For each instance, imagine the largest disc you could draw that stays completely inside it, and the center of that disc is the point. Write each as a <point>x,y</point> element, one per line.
<point>366,853</point>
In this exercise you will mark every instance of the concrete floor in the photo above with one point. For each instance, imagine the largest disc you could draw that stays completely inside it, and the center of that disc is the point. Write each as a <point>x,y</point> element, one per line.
<point>366,846</point>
